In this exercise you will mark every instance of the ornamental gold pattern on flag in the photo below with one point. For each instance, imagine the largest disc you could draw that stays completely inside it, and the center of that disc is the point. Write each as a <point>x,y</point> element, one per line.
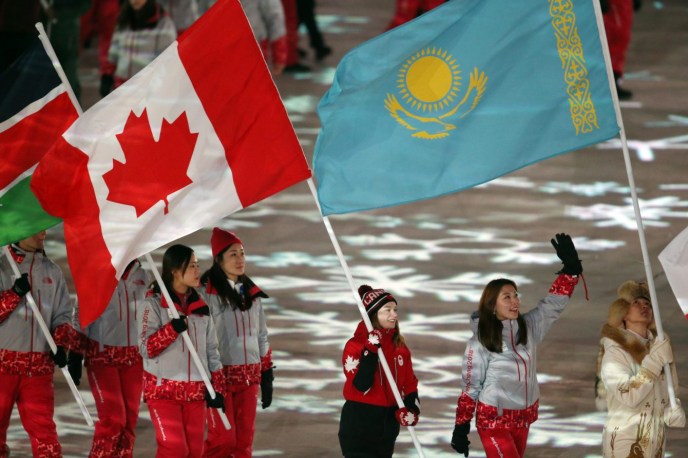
<point>570,49</point>
<point>430,81</point>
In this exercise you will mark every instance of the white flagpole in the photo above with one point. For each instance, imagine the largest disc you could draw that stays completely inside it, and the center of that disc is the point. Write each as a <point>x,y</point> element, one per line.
<point>634,194</point>
<point>46,333</point>
<point>45,40</point>
<point>172,312</point>
<point>58,67</point>
<point>364,314</point>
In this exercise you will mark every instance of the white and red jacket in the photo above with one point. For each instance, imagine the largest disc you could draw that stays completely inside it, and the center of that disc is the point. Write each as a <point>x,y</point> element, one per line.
<point>169,372</point>
<point>23,347</point>
<point>242,336</point>
<point>503,386</point>
<point>399,360</point>
<point>112,340</point>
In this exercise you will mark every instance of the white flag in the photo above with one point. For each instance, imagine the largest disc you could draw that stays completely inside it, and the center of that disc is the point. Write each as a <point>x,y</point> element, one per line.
<point>674,260</point>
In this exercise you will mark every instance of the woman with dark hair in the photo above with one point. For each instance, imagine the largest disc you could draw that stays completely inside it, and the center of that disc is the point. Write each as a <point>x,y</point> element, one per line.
<point>370,419</point>
<point>631,380</point>
<point>499,365</point>
<point>144,30</point>
<point>237,311</point>
<point>173,387</point>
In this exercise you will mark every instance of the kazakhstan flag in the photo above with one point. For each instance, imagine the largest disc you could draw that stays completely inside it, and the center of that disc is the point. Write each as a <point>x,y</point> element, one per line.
<point>468,92</point>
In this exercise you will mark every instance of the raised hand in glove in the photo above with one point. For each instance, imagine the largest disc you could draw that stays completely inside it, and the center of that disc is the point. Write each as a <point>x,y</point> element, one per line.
<point>74,366</point>
<point>374,340</point>
<point>566,251</point>
<point>60,357</point>
<point>179,324</point>
<point>660,354</point>
<point>406,417</point>
<point>675,417</point>
<point>218,402</point>
<point>21,285</point>
<point>266,378</point>
<point>459,440</point>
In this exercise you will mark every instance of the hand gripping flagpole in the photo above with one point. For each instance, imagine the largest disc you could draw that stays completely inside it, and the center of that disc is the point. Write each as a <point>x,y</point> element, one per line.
<point>634,195</point>
<point>364,314</point>
<point>172,312</point>
<point>46,332</point>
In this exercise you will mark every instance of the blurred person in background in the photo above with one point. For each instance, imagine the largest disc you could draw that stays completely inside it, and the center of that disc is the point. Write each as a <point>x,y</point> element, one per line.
<point>618,22</point>
<point>407,10</point>
<point>144,30</point>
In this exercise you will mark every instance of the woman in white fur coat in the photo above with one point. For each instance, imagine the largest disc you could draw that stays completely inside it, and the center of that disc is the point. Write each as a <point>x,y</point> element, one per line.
<point>632,379</point>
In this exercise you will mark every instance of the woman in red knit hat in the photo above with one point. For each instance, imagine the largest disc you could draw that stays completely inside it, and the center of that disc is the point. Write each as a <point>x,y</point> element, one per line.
<point>235,305</point>
<point>370,419</point>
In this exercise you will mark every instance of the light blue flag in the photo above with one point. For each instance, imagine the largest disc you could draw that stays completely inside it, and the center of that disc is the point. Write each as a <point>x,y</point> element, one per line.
<point>468,92</point>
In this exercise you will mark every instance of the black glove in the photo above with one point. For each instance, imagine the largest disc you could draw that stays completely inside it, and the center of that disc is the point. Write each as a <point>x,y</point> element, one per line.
<point>106,84</point>
<point>74,366</point>
<point>637,4</point>
<point>218,402</point>
<point>266,378</point>
<point>604,5</point>
<point>179,324</point>
<point>568,255</point>
<point>21,285</point>
<point>459,441</point>
<point>365,377</point>
<point>412,402</point>
<point>60,357</point>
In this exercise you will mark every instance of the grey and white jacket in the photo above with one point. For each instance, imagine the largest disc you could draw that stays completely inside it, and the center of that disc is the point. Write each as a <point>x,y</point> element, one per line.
<point>242,335</point>
<point>112,339</point>
<point>24,349</point>
<point>503,386</point>
<point>169,372</point>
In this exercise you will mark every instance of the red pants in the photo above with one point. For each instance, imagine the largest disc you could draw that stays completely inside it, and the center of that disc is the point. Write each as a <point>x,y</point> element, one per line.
<point>101,18</point>
<point>291,20</point>
<point>179,427</point>
<point>117,392</point>
<point>504,443</point>
<point>617,25</point>
<point>35,399</point>
<point>240,408</point>
<point>407,10</point>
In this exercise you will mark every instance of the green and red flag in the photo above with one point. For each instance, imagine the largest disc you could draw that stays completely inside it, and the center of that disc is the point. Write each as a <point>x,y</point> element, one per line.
<point>35,109</point>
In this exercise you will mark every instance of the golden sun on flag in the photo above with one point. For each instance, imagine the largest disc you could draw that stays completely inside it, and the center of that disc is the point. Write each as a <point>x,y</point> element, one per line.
<point>429,80</point>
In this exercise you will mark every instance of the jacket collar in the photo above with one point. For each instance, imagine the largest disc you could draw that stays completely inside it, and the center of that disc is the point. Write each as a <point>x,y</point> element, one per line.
<point>628,341</point>
<point>196,305</point>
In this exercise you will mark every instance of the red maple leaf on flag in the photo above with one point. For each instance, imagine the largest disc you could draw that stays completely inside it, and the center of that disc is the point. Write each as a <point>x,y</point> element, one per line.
<point>153,169</point>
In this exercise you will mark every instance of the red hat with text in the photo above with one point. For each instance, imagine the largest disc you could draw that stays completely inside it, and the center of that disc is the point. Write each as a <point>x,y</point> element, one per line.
<point>373,299</point>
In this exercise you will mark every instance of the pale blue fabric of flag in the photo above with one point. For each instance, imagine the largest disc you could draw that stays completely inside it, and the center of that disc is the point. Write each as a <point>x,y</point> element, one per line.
<point>402,121</point>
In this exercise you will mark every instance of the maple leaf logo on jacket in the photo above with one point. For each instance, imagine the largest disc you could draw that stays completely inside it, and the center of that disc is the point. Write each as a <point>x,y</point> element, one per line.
<point>153,169</point>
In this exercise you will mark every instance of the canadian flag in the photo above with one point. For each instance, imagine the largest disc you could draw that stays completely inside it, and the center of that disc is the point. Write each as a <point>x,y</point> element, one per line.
<point>198,134</point>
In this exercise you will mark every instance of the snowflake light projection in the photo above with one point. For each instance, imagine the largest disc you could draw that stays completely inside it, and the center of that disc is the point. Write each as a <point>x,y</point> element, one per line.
<point>654,212</point>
